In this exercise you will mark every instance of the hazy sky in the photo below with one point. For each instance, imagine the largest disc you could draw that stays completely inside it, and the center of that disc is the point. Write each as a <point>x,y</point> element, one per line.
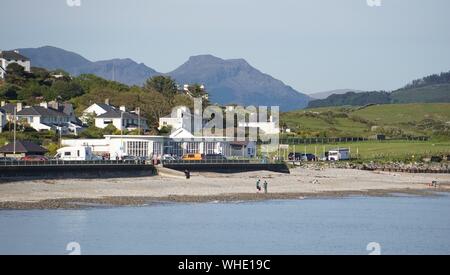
<point>312,45</point>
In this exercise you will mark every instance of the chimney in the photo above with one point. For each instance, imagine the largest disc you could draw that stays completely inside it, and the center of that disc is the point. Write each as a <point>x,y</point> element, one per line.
<point>3,102</point>
<point>123,108</point>
<point>44,104</point>
<point>19,107</point>
<point>107,101</point>
<point>53,104</point>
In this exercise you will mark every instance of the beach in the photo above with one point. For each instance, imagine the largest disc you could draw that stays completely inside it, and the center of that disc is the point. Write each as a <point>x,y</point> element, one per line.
<point>171,186</point>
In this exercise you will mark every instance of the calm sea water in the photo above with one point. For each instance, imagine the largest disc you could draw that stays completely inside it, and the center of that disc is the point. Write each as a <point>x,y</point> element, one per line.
<point>400,225</point>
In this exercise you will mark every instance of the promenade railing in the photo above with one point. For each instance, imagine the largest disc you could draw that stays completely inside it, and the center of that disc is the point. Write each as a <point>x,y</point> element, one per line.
<point>12,162</point>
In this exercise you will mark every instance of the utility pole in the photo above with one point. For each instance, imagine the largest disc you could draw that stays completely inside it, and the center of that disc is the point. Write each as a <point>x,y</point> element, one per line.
<point>15,118</point>
<point>139,119</point>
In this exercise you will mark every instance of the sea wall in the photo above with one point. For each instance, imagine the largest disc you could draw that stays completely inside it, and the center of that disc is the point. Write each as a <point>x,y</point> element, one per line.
<point>11,173</point>
<point>229,167</point>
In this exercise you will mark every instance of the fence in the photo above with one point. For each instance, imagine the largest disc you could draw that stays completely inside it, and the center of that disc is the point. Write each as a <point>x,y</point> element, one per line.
<point>326,140</point>
<point>12,162</point>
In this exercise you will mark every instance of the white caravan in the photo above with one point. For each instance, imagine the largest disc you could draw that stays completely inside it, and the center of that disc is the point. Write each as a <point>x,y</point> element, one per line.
<point>76,153</point>
<point>339,154</point>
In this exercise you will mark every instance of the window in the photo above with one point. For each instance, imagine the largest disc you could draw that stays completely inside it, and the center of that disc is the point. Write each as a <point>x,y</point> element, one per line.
<point>157,148</point>
<point>209,147</point>
<point>137,148</point>
<point>67,153</point>
<point>176,148</point>
<point>191,147</point>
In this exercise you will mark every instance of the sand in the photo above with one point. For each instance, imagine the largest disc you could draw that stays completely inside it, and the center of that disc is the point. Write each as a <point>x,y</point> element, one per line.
<point>172,186</point>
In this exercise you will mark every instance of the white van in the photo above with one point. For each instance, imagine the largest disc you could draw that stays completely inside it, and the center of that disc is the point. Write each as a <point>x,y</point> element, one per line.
<point>76,153</point>
<point>339,154</point>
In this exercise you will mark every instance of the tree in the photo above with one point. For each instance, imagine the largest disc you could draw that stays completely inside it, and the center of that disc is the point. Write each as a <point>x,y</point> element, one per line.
<point>164,85</point>
<point>9,91</point>
<point>15,74</point>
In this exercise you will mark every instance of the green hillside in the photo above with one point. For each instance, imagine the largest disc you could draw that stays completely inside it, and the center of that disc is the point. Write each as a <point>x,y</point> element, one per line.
<point>393,120</point>
<point>428,94</point>
<point>430,89</point>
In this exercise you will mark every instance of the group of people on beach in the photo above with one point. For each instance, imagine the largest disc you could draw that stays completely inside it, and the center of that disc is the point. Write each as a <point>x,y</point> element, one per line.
<point>258,186</point>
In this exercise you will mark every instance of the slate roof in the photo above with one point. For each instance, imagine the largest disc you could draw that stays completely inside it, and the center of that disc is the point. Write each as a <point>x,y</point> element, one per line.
<point>40,111</point>
<point>23,147</point>
<point>117,114</point>
<point>106,107</point>
<point>12,55</point>
<point>8,108</point>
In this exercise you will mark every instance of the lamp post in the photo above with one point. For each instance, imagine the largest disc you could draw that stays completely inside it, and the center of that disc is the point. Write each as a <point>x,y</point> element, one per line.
<point>15,118</point>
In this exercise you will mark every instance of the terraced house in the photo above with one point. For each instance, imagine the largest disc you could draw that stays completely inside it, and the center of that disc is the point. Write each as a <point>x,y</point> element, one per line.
<point>55,117</point>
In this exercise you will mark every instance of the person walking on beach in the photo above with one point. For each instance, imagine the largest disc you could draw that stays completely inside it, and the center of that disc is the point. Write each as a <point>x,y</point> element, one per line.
<point>258,186</point>
<point>265,187</point>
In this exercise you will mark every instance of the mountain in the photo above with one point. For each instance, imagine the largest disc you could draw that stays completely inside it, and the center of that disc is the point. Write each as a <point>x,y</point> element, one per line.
<point>430,89</point>
<point>235,81</point>
<point>227,81</point>
<point>123,70</point>
<point>323,95</point>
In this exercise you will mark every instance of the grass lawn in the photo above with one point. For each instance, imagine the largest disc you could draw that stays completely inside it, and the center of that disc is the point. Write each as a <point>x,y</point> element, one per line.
<point>381,150</point>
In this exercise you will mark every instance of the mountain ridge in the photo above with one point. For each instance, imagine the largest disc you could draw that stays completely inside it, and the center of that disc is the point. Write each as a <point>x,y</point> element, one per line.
<point>227,80</point>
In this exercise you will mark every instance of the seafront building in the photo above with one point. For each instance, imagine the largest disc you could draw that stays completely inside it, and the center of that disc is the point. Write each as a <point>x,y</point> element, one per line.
<point>181,142</point>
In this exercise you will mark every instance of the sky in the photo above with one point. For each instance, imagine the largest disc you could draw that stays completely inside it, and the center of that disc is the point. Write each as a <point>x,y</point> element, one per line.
<point>311,45</point>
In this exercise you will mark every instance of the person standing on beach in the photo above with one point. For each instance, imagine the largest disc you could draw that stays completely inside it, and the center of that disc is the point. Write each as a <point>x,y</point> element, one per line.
<point>258,186</point>
<point>265,187</point>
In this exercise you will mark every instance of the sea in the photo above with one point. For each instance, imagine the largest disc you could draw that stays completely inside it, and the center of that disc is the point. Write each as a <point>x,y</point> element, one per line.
<point>351,225</point>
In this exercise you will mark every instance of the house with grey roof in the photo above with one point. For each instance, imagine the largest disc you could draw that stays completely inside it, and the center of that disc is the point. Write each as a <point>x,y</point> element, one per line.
<point>105,114</point>
<point>45,117</point>
<point>9,57</point>
<point>121,119</point>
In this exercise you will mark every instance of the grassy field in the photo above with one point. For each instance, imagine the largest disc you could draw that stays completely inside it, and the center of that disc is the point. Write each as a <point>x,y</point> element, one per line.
<point>380,150</point>
<point>430,119</point>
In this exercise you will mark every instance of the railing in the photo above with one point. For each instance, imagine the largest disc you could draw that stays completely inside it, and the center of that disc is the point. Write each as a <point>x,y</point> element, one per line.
<point>220,161</point>
<point>70,162</point>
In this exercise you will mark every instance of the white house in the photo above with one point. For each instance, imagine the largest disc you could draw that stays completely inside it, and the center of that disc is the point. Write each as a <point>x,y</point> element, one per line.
<point>2,120</point>
<point>105,114</point>
<point>49,116</point>
<point>9,57</point>
<point>97,109</point>
<point>121,119</point>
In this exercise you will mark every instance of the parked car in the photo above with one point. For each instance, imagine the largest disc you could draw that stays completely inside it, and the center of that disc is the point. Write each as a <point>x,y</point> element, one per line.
<point>34,158</point>
<point>7,159</point>
<point>301,157</point>
<point>296,156</point>
<point>339,154</point>
<point>132,158</point>
<point>192,157</point>
<point>214,157</point>
<point>169,157</point>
